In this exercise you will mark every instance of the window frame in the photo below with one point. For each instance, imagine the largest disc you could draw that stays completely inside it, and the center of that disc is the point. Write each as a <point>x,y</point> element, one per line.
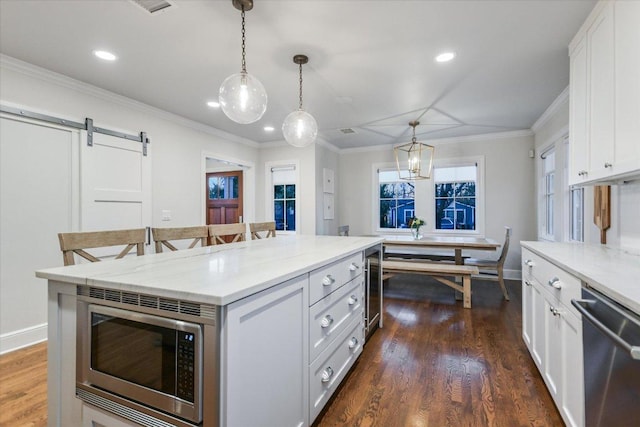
<point>424,202</point>
<point>269,190</point>
<point>377,227</point>
<point>544,196</point>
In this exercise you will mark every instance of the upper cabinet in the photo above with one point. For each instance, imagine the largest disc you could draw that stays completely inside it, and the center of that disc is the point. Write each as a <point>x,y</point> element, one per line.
<point>605,95</point>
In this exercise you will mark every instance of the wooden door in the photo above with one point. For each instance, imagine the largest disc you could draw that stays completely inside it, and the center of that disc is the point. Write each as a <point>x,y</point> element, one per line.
<point>224,197</point>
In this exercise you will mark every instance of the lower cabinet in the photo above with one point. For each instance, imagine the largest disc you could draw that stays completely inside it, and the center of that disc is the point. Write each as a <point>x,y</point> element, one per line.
<point>552,331</point>
<point>264,362</point>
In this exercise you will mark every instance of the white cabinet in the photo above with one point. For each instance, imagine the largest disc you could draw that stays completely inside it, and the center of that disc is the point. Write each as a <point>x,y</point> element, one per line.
<point>552,330</point>
<point>265,358</point>
<point>605,95</point>
<point>336,327</point>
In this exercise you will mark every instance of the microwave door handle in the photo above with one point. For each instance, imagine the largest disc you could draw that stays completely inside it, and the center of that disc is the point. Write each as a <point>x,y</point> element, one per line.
<point>580,305</point>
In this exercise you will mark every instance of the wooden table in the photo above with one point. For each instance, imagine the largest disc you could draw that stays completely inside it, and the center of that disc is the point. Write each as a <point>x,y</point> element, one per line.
<point>456,243</point>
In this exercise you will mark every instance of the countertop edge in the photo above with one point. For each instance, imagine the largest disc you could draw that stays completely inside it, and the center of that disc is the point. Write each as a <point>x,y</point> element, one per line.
<point>607,287</point>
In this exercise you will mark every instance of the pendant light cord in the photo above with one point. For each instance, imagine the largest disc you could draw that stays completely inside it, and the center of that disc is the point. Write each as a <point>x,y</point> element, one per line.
<point>300,86</point>
<point>244,61</point>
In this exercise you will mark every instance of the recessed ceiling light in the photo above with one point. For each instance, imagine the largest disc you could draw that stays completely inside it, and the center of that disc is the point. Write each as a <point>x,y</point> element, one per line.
<point>269,128</point>
<point>213,104</point>
<point>445,57</point>
<point>103,54</point>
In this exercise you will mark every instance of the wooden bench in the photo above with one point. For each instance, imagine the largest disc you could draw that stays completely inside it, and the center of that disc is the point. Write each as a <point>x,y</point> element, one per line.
<point>438,271</point>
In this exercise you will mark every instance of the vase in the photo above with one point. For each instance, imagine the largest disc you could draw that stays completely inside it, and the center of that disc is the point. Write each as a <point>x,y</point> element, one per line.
<point>416,233</point>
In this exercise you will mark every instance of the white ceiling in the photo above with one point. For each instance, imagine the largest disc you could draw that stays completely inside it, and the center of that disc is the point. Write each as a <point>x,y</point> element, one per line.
<point>371,63</point>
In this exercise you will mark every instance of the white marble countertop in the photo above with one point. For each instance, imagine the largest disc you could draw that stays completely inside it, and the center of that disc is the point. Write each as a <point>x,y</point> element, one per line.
<point>613,272</point>
<point>218,274</point>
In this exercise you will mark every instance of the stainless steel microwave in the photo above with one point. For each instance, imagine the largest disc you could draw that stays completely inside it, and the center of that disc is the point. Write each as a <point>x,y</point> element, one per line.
<point>143,362</point>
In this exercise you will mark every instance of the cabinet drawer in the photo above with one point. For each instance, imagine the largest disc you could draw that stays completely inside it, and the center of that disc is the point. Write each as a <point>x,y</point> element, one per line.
<point>332,314</point>
<point>327,279</point>
<point>326,373</point>
<point>551,278</point>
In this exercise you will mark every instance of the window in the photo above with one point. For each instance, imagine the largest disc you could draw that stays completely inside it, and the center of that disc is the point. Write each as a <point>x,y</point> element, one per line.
<point>548,193</point>
<point>282,199</point>
<point>576,231</point>
<point>223,187</point>
<point>396,200</point>
<point>284,206</point>
<point>455,197</point>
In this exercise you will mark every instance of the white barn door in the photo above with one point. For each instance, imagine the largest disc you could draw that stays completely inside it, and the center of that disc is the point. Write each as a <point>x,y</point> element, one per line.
<point>115,183</point>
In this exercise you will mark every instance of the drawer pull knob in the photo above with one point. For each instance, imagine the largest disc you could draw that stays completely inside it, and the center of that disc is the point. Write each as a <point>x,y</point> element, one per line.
<point>328,280</point>
<point>554,311</point>
<point>555,283</point>
<point>353,299</point>
<point>353,342</point>
<point>326,321</point>
<point>607,165</point>
<point>529,263</point>
<point>353,266</point>
<point>326,374</point>
<point>528,283</point>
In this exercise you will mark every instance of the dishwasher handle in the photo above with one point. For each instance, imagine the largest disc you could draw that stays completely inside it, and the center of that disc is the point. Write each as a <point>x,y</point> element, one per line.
<point>580,305</point>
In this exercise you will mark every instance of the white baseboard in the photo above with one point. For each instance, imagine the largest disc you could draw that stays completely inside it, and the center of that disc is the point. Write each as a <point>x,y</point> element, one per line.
<point>513,274</point>
<point>23,338</point>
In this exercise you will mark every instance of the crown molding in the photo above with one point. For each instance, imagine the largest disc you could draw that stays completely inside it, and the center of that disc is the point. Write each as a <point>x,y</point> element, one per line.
<point>443,141</point>
<point>49,76</point>
<point>551,110</point>
<point>282,143</point>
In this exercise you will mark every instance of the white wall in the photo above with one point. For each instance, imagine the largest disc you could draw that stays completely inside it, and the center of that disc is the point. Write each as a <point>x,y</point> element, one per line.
<point>326,158</point>
<point>178,149</point>
<point>625,198</point>
<point>509,199</point>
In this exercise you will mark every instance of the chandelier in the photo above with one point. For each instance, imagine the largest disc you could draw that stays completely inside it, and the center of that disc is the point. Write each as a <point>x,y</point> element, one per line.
<point>414,159</point>
<point>300,128</point>
<point>242,97</point>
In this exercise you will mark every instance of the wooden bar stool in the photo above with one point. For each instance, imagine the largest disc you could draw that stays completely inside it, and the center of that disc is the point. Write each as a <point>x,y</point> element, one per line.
<point>227,233</point>
<point>262,227</point>
<point>163,236</point>
<point>71,243</point>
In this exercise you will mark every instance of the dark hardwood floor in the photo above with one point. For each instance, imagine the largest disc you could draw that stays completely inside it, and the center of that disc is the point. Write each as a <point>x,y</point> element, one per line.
<point>433,364</point>
<point>437,364</point>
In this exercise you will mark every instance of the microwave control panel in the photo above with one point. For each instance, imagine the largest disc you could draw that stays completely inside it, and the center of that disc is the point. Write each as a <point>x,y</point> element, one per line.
<point>186,365</point>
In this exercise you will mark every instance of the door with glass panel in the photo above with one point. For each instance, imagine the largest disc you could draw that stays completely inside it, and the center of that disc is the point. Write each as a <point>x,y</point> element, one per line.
<point>224,197</point>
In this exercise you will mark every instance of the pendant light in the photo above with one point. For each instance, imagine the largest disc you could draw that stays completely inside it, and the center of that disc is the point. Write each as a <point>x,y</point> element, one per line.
<point>415,159</point>
<point>242,97</point>
<point>300,128</point>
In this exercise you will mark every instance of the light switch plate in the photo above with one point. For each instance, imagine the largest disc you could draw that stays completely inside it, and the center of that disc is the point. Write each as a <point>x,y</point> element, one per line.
<point>166,215</point>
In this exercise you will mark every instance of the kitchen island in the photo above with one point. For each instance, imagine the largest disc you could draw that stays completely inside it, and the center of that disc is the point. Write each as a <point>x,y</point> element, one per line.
<point>284,324</point>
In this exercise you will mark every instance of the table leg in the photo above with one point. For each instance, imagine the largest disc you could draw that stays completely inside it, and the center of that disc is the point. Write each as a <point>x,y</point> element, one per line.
<point>467,291</point>
<point>459,261</point>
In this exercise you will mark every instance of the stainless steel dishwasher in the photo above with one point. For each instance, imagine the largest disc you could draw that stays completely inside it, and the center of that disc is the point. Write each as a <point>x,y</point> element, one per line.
<point>611,343</point>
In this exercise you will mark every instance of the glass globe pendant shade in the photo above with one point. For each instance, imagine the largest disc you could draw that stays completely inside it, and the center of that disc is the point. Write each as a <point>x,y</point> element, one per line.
<point>243,98</point>
<point>300,128</point>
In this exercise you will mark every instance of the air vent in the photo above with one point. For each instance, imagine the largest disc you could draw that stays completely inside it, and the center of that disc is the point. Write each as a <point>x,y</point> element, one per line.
<point>347,131</point>
<point>149,301</point>
<point>153,6</point>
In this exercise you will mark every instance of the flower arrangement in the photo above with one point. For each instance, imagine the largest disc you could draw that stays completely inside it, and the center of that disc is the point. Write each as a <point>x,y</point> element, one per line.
<point>415,223</point>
